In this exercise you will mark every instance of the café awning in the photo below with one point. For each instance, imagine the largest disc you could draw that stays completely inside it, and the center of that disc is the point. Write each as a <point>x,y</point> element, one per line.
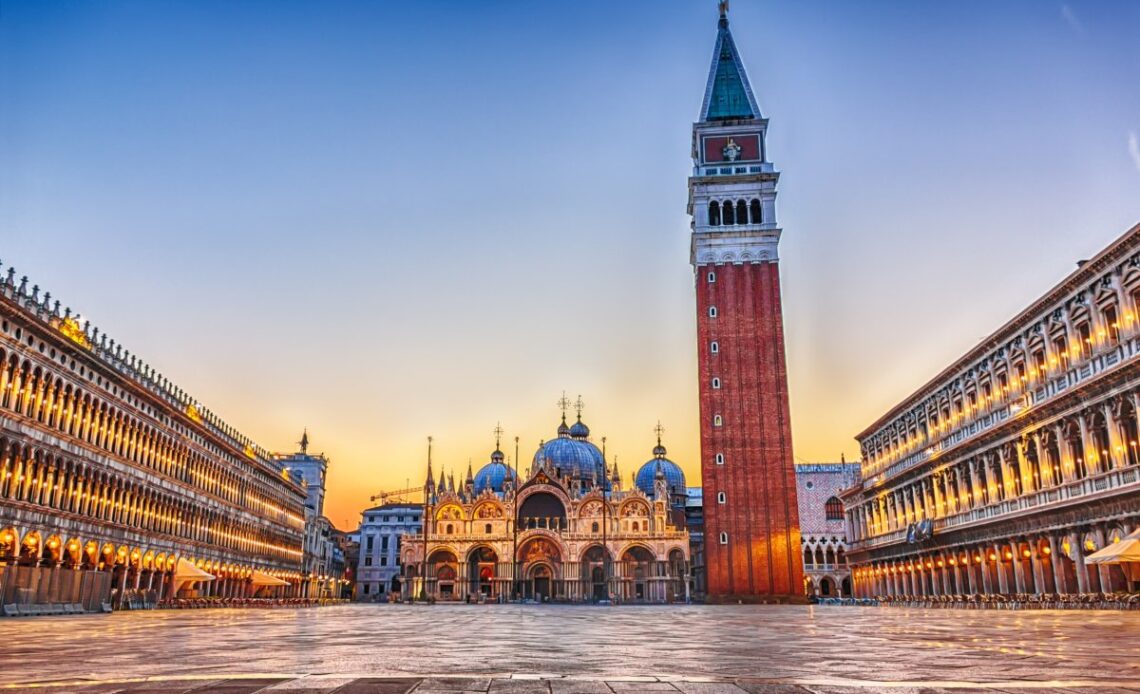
<point>1124,552</point>
<point>187,571</point>
<point>263,579</point>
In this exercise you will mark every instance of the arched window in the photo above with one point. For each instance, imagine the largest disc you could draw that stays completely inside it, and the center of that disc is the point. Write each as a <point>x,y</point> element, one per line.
<point>718,420</point>
<point>757,215</point>
<point>450,529</point>
<point>729,214</point>
<point>741,212</point>
<point>712,277</point>
<point>716,383</point>
<point>594,527</point>
<point>712,311</point>
<point>487,529</point>
<point>721,498</point>
<point>724,538</point>
<point>720,458</point>
<point>714,347</point>
<point>714,213</point>
<point>833,509</point>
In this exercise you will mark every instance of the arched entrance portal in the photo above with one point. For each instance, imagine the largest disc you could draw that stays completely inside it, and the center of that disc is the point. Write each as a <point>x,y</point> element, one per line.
<point>638,564</point>
<point>595,573</point>
<point>542,568</point>
<point>541,582</point>
<point>442,571</point>
<point>481,571</point>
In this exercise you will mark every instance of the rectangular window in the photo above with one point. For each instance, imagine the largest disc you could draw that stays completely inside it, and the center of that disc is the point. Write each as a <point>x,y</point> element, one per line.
<point>368,543</point>
<point>1111,325</point>
<point>368,561</point>
<point>366,589</point>
<point>1084,334</point>
<point>383,544</point>
<point>383,561</point>
<point>721,498</point>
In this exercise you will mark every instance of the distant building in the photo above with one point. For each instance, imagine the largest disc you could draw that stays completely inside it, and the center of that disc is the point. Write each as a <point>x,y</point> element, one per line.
<point>695,523</point>
<point>567,532</point>
<point>320,569</point>
<point>822,528</point>
<point>381,533</point>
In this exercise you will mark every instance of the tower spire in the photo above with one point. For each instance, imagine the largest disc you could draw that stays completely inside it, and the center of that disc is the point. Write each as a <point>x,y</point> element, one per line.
<point>304,442</point>
<point>728,93</point>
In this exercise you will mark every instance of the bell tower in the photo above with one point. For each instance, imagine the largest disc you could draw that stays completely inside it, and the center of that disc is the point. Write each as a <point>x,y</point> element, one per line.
<point>752,537</point>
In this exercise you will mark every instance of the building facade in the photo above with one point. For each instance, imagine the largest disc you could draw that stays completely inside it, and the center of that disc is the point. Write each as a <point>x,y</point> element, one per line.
<point>752,544</point>
<point>568,532</point>
<point>1001,474</point>
<point>823,532</point>
<point>382,532</point>
<point>107,469</point>
<point>322,561</point>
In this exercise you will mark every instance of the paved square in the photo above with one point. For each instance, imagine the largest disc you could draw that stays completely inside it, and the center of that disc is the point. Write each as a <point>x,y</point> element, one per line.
<point>396,649</point>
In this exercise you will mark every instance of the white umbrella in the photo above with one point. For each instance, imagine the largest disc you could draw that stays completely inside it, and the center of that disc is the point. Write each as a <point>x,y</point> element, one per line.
<point>188,573</point>
<point>1126,552</point>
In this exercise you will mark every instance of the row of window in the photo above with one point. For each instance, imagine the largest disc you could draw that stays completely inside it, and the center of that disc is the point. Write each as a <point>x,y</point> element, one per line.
<point>728,213</point>
<point>32,477</point>
<point>35,392</point>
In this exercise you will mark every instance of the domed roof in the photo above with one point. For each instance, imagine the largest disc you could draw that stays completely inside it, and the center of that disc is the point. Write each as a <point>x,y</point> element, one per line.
<point>493,475</point>
<point>674,475</point>
<point>579,430</point>
<point>574,457</point>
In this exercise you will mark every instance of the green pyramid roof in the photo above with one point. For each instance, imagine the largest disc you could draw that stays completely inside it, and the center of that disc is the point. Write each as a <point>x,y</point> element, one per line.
<point>728,94</point>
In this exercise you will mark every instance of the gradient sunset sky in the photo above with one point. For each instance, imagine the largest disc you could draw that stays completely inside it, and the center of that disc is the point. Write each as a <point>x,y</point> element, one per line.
<point>387,220</point>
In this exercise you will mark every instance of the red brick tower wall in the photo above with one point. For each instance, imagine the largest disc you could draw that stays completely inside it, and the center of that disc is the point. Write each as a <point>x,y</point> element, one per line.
<point>762,560</point>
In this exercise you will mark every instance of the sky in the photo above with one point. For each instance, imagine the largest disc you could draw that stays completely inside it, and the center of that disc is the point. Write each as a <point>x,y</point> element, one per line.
<point>384,221</point>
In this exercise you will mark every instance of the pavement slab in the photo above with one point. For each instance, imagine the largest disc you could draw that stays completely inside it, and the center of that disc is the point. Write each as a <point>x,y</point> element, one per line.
<point>562,649</point>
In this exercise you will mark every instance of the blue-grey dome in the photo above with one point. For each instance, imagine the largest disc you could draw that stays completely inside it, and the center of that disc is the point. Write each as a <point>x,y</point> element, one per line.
<point>574,457</point>
<point>579,430</point>
<point>674,475</point>
<point>493,475</point>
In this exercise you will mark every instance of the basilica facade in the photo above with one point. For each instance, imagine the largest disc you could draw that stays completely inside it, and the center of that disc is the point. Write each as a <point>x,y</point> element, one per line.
<point>567,530</point>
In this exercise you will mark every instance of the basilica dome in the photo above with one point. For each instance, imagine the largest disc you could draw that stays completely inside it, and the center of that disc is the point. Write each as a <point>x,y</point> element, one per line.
<point>674,475</point>
<point>572,454</point>
<point>493,475</point>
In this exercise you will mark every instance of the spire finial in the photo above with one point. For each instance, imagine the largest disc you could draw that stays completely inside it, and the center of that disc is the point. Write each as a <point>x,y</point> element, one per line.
<point>304,441</point>
<point>563,404</point>
<point>580,406</point>
<point>722,7</point>
<point>659,430</point>
<point>498,434</point>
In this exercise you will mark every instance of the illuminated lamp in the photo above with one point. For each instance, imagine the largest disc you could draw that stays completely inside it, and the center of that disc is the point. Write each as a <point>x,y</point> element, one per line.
<point>1026,553</point>
<point>53,543</point>
<point>32,541</point>
<point>993,556</point>
<point>1046,550</point>
<point>977,559</point>
<point>6,537</point>
<point>73,545</point>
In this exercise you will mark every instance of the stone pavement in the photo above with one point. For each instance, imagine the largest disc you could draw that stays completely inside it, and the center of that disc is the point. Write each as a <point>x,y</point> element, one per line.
<point>540,684</point>
<point>398,649</point>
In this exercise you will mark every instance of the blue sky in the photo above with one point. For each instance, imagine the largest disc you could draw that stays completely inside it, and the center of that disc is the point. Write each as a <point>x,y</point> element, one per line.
<point>389,220</point>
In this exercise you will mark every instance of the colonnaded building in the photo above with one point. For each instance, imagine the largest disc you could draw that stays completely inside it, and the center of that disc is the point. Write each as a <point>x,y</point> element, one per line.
<point>568,532</point>
<point>112,479</point>
<point>1005,471</point>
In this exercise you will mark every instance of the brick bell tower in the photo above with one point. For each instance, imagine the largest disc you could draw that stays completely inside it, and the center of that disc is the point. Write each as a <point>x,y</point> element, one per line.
<point>752,536</point>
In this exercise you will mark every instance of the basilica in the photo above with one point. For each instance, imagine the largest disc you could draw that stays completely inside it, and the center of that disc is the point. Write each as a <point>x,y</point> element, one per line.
<point>566,531</point>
